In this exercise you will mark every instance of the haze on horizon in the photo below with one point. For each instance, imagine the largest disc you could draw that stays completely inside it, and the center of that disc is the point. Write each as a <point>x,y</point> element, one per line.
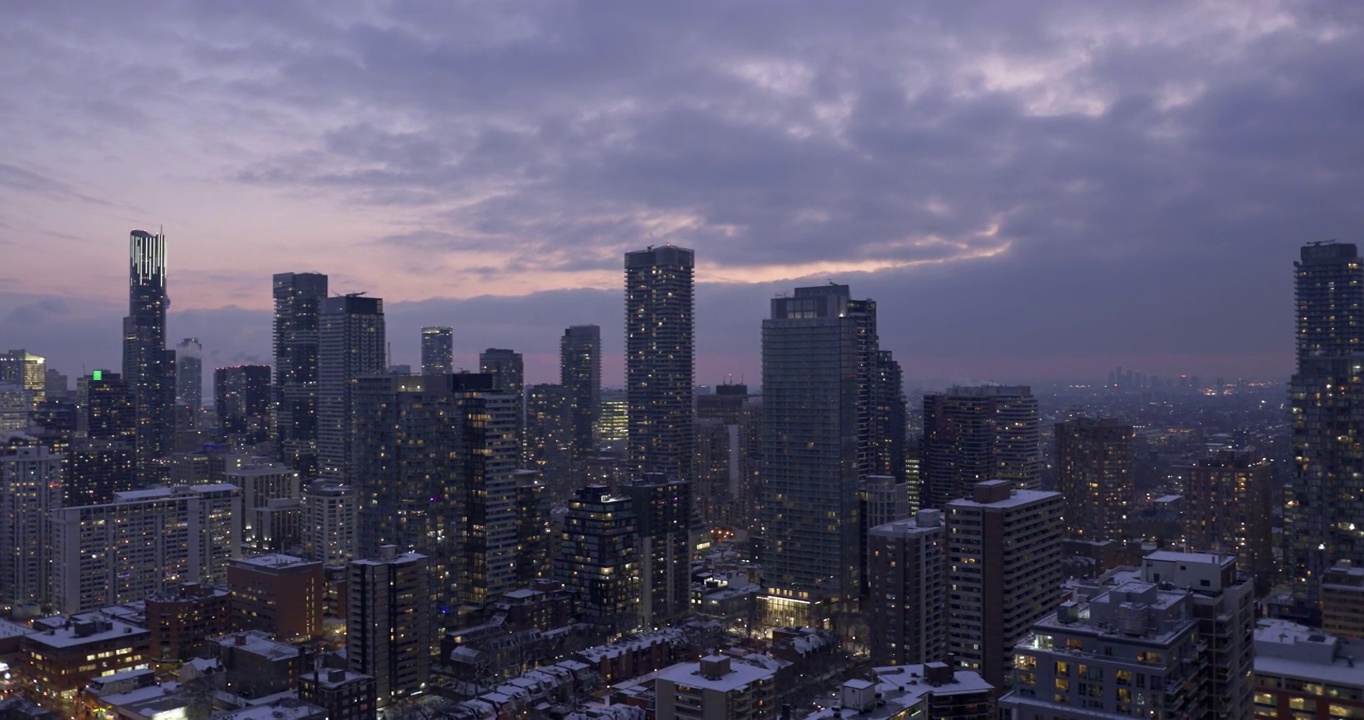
<point>1030,191</point>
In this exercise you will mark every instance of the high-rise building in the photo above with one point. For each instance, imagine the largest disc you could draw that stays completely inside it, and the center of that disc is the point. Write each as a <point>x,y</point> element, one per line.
<point>819,348</point>
<point>143,543</point>
<point>96,469</point>
<point>438,350</point>
<point>549,439</point>
<point>242,402</point>
<point>1227,509</point>
<point>388,623</point>
<point>28,371</point>
<point>329,522</point>
<point>189,374</point>
<point>598,561</point>
<point>728,456</point>
<point>660,359</point>
<point>1094,467</point>
<point>580,376</point>
<point>111,408</point>
<point>30,489</point>
<point>435,469</point>
<point>1324,512</point>
<point>509,378</point>
<point>908,590</point>
<point>663,510</point>
<point>298,304</point>
<point>148,367</point>
<point>1003,572</point>
<point>974,434</point>
<point>350,346</point>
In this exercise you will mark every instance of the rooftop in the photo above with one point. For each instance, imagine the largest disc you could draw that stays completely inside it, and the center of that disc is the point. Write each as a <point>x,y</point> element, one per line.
<point>740,675</point>
<point>100,630</point>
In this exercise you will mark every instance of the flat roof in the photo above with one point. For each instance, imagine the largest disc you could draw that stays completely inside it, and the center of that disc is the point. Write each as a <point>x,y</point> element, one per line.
<point>741,674</point>
<point>1016,498</point>
<point>65,637</point>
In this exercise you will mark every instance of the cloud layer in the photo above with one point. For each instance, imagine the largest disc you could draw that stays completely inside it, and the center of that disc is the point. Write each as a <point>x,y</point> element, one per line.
<point>1029,190</point>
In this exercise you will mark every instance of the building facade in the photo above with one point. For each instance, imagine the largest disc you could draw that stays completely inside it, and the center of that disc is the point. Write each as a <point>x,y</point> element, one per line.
<point>242,402</point>
<point>1227,509</point>
<point>660,359</point>
<point>974,434</point>
<point>351,345</point>
<point>148,367</point>
<point>580,376</point>
<point>31,482</point>
<point>1094,473</point>
<point>298,304</point>
<point>388,631</point>
<point>438,350</point>
<point>907,566</point>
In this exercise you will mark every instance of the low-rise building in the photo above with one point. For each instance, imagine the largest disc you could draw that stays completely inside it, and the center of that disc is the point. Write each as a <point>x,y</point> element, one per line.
<point>278,594</point>
<point>64,654</point>
<point>909,692</point>
<point>1306,674</point>
<point>184,619</point>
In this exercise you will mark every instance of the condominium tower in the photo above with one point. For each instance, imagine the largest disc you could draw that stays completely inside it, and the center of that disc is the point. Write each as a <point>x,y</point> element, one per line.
<point>660,359</point>
<point>298,301</point>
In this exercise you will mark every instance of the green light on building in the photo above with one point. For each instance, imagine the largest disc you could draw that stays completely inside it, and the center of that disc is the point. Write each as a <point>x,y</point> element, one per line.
<point>97,375</point>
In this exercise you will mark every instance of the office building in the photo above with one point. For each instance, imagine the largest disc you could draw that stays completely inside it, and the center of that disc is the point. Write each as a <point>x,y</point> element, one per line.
<point>598,559</point>
<point>148,367</point>
<point>819,348</point>
<point>31,481</point>
<point>509,378</point>
<point>1227,509</point>
<point>660,359</point>
<point>613,424</point>
<point>580,376</point>
<point>663,510</point>
<point>28,371</point>
<point>328,525</point>
<point>298,305</point>
<point>242,402</point>
<point>261,483</point>
<point>907,569</point>
<point>16,406</point>
<point>1127,649</point>
<point>1324,511</point>
<point>1094,467</point>
<point>189,375</point>
<point>438,350</point>
<point>350,346</point>
<point>436,475</point>
<point>388,631</point>
<point>974,434</point>
<point>1003,572</point>
<point>66,653</point>
<point>143,543</point>
<point>280,595</point>
<point>717,687</point>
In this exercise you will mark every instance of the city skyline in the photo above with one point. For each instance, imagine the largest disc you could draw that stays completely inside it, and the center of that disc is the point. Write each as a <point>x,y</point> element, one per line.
<point>1136,174</point>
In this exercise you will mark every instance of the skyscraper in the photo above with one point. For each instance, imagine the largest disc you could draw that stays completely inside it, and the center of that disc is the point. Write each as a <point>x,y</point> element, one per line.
<point>659,359</point>
<point>28,371</point>
<point>242,402</point>
<point>1324,512</point>
<point>818,350</point>
<point>30,490</point>
<point>148,367</point>
<point>111,408</point>
<point>189,375</point>
<point>438,350</point>
<point>509,378</point>
<point>549,439</point>
<point>1094,468</point>
<point>298,300</point>
<point>580,376</point>
<point>351,345</point>
<point>973,434</point>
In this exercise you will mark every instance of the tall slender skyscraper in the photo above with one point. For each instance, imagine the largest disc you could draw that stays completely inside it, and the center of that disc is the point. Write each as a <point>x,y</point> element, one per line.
<point>660,359</point>
<point>819,348</point>
<point>580,376</point>
<point>350,339</point>
<point>298,300</point>
<point>1324,515</point>
<point>148,367</point>
<point>438,350</point>
<point>974,434</point>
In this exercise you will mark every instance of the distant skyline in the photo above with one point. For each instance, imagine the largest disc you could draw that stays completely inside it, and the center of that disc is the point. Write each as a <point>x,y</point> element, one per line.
<point>1030,191</point>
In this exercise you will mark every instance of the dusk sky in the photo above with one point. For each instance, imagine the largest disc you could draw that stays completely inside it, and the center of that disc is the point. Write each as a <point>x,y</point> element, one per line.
<point>1029,190</point>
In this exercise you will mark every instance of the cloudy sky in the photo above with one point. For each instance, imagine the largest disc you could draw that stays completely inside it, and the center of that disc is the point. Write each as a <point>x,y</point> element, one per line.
<point>1029,190</point>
